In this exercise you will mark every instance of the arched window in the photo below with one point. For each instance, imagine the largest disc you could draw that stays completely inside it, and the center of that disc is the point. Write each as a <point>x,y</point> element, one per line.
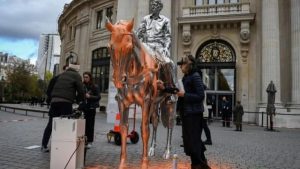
<point>216,59</point>
<point>215,51</point>
<point>100,68</point>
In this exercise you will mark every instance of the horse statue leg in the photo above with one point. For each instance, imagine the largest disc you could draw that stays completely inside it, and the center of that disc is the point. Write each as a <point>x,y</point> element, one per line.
<point>154,119</point>
<point>168,117</point>
<point>145,132</point>
<point>124,129</point>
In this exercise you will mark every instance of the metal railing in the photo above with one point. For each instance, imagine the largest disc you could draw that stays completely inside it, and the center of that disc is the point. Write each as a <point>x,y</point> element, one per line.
<point>264,114</point>
<point>219,9</point>
<point>12,109</point>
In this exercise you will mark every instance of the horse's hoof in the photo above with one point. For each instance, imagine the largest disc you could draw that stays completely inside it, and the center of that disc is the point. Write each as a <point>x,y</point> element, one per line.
<point>145,163</point>
<point>167,154</point>
<point>144,166</point>
<point>151,152</point>
<point>122,165</point>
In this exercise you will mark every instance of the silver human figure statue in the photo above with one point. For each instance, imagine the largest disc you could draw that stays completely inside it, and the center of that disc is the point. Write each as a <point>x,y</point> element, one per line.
<point>155,34</point>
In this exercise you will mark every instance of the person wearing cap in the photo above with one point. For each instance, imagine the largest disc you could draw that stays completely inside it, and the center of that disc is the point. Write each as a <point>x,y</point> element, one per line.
<point>192,115</point>
<point>68,88</point>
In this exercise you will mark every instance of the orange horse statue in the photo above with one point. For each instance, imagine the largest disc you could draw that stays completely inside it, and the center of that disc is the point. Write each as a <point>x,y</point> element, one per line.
<point>135,75</point>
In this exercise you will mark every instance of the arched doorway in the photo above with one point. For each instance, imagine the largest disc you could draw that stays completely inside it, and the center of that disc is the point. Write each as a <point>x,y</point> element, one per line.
<point>216,59</point>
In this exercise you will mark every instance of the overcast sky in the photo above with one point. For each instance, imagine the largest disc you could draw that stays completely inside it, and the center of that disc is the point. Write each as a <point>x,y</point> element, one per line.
<point>22,22</point>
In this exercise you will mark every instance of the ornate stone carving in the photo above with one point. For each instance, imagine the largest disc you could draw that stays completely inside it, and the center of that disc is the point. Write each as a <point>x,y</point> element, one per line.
<point>245,35</point>
<point>215,32</point>
<point>245,40</point>
<point>245,32</point>
<point>186,35</point>
<point>244,54</point>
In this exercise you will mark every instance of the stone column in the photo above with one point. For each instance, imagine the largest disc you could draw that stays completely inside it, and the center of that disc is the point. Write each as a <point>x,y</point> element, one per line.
<point>270,48</point>
<point>295,36</point>
<point>125,14</point>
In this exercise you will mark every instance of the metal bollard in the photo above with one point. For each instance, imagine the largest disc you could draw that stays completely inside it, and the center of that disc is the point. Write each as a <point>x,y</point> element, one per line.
<point>175,161</point>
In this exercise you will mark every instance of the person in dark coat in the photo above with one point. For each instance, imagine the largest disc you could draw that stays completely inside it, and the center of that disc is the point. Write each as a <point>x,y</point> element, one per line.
<point>226,112</point>
<point>238,113</point>
<point>51,86</point>
<point>192,117</point>
<point>91,102</point>
<point>66,89</point>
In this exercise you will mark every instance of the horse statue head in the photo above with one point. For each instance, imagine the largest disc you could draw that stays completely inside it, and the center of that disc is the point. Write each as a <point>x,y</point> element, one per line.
<point>121,46</point>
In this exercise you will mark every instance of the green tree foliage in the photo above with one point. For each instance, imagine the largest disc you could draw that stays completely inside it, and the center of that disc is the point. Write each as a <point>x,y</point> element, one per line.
<point>48,77</point>
<point>21,85</point>
<point>35,89</point>
<point>18,82</point>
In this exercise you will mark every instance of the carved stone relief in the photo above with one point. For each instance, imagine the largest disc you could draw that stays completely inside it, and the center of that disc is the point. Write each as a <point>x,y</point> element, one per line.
<point>215,32</point>
<point>245,40</point>
<point>244,54</point>
<point>245,32</point>
<point>186,35</point>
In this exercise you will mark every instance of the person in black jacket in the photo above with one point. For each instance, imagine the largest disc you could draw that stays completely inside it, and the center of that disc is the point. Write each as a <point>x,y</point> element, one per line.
<point>51,85</point>
<point>226,112</point>
<point>91,102</point>
<point>192,115</point>
<point>65,90</point>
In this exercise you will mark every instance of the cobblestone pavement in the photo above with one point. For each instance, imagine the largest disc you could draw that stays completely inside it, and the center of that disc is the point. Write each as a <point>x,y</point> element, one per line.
<point>253,148</point>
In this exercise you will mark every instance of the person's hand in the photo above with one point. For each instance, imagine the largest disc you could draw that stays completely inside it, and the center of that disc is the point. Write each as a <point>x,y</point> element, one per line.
<point>180,93</point>
<point>87,95</point>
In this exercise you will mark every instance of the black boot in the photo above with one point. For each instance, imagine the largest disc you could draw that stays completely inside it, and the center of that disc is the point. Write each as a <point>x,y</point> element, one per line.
<point>203,166</point>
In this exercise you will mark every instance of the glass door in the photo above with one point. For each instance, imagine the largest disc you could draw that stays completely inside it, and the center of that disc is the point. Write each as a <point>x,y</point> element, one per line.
<point>220,82</point>
<point>214,102</point>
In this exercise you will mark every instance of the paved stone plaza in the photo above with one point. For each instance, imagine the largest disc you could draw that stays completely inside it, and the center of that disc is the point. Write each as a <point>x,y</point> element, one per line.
<point>253,148</point>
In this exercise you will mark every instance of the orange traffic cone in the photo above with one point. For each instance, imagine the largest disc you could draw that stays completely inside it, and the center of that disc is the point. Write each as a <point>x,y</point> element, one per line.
<point>117,123</point>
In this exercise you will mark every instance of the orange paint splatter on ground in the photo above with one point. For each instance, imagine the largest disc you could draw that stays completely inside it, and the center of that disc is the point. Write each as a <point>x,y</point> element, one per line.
<point>163,165</point>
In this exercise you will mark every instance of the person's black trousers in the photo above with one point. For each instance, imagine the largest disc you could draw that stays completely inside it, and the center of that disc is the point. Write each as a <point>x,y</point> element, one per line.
<point>223,118</point>
<point>193,145</point>
<point>206,130</point>
<point>56,109</point>
<point>226,118</point>
<point>89,116</point>
<point>47,133</point>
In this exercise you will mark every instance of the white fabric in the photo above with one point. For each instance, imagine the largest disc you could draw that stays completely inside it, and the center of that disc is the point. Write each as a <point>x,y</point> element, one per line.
<point>205,112</point>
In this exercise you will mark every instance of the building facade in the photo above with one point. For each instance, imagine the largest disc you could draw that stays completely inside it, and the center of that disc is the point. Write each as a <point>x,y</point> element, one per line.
<point>48,54</point>
<point>241,45</point>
